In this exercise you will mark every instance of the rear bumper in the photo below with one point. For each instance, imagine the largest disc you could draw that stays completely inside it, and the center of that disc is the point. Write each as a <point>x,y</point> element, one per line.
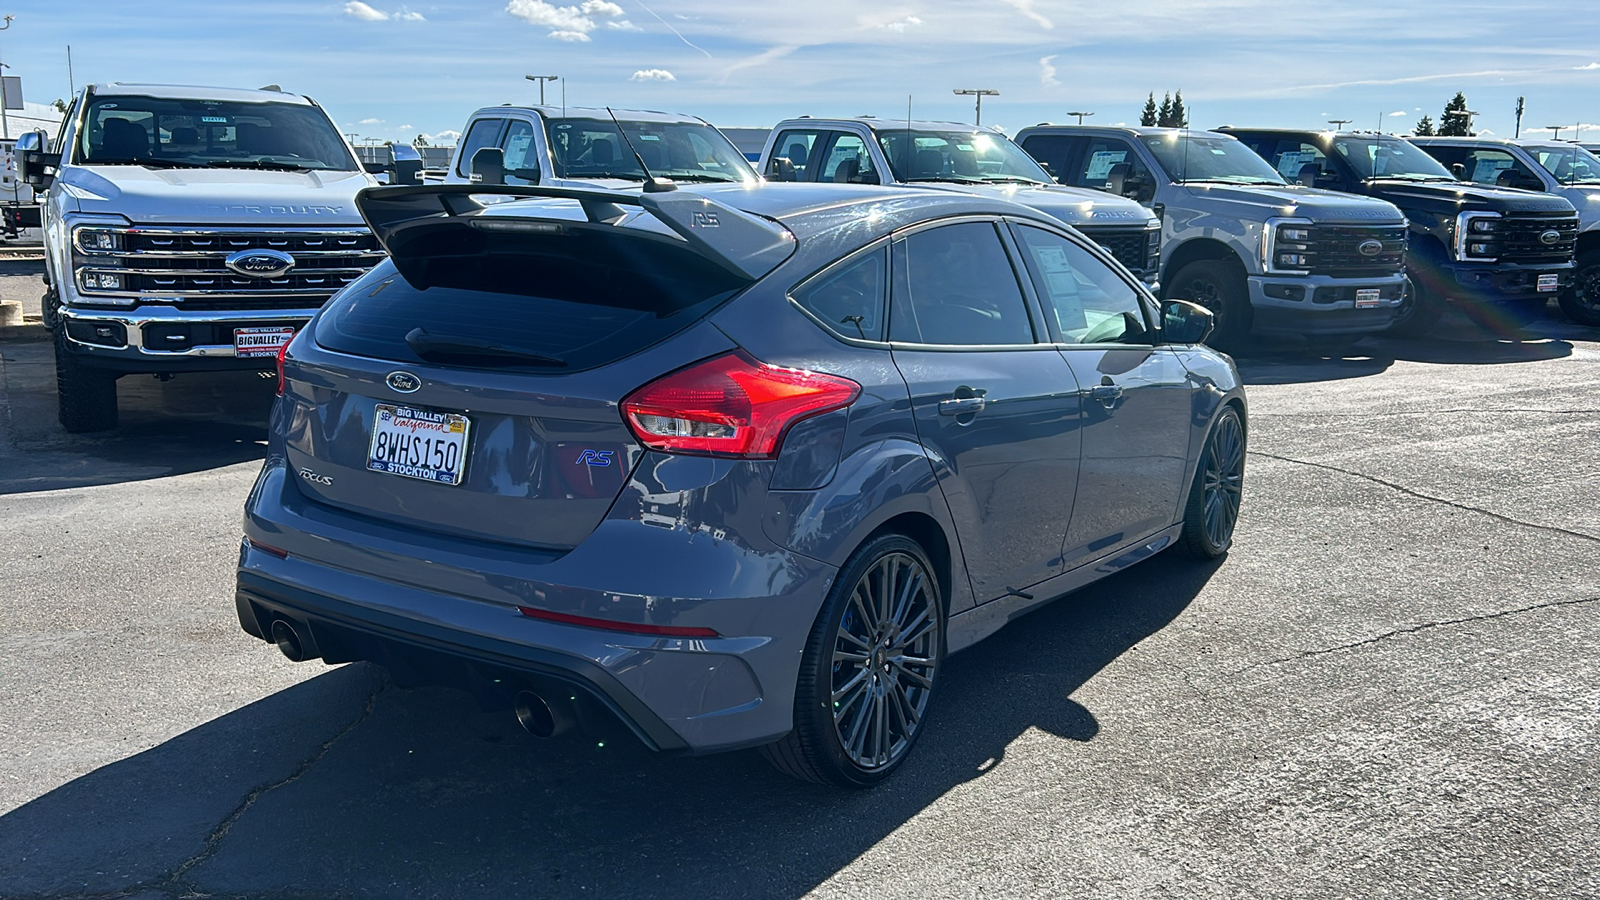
<point>443,611</point>
<point>1322,305</point>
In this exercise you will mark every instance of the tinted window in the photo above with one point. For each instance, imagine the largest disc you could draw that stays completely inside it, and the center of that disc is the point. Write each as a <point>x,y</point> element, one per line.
<point>847,160</point>
<point>1290,156</point>
<point>1486,166</point>
<point>482,134</point>
<point>794,148</point>
<point>955,285</point>
<point>848,298</point>
<point>685,151</point>
<point>1055,152</point>
<point>1106,162</point>
<point>522,158</point>
<point>1090,302</point>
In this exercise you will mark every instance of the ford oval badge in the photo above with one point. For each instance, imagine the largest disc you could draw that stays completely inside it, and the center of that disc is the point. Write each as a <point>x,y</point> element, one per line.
<point>1370,248</point>
<point>1550,238</point>
<point>260,263</point>
<point>403,382</point>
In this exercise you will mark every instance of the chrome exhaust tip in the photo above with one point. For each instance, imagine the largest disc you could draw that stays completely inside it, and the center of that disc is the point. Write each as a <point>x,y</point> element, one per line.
<point>539,718</point>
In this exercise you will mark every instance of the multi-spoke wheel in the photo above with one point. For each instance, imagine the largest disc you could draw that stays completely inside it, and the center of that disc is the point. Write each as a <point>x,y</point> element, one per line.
<point>1214,498</point>
<point>1219,285</point>
<point>869,669</point>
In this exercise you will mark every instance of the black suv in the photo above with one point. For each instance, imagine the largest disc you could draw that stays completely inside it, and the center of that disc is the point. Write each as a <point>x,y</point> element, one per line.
<point>1498,252</point>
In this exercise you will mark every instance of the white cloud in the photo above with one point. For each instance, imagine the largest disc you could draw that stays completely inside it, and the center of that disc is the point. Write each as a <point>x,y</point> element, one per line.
<point>1047,72</point>
<point>407,127</point>
<point>652,75</point>
<point>899,26</point>
<point>406,15</point>
<point>570,23</point>
<point>1398,112</point>
<point>1587,68</point>
<point>370,122</point>
<point>1026,8</point>
<point>364,12</point>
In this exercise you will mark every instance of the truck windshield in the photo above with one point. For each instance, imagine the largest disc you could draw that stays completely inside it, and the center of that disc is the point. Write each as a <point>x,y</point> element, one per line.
<point>172,133</point>
<point>1568,165</point>
<point>1198,157</point>
<point>1392,158</point>
<point>682,151</point>
<point>970,157</point>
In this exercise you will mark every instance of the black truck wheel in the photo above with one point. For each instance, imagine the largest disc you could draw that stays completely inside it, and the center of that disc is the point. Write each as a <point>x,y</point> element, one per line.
<point>86,397</point>
<point>1581,302</point>
<point>1419,311</point>
<point>1220,286</point>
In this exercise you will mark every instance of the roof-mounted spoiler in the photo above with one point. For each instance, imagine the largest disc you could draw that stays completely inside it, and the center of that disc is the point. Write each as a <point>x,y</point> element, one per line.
<point>745,245</point>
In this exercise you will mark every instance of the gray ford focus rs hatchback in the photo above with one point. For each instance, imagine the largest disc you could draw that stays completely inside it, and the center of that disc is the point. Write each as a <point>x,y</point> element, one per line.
<point>724,467</point>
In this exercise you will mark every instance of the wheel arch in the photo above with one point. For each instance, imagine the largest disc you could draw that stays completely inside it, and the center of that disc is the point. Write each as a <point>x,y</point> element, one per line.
<point>1589,241</point>
<point>1195,250</point>
<point>930,535</point>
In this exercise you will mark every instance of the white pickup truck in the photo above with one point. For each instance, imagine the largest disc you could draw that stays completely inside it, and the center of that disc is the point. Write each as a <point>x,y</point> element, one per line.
<point>953,156</point>
<point>190,229</point>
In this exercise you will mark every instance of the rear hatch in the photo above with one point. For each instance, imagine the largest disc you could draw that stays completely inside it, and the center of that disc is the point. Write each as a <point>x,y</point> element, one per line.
<point>471,384</point>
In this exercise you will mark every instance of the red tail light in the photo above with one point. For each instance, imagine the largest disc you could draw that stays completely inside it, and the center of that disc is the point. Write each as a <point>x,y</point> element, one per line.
<point>731,406</point>
<point>282,352</point>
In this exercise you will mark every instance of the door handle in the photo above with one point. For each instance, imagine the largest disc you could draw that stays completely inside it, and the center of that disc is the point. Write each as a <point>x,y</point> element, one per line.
<point>961,406</point>
<point>1106,393</point>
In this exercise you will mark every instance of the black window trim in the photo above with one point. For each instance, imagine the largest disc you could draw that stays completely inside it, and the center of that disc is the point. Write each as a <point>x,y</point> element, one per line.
<point>881,245</point>
<point>1036,317</point>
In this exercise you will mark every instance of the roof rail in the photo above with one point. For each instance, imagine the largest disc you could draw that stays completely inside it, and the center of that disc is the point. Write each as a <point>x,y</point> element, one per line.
<point>744,244</point>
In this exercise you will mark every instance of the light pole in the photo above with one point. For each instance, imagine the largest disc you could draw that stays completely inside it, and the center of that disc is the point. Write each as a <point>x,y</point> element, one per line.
<point>1339,123</point>
<point>1556,131</point>
<point>980,93</point>
<point>1080,115</point>
<point>542,79</point>
<point>5,128</point>
<point>1460,113</point>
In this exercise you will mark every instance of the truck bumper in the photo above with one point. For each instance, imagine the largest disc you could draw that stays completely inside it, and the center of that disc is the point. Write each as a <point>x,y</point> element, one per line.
<point>1492,283</point>
<point>165,339</point>
<point>1320,304</point>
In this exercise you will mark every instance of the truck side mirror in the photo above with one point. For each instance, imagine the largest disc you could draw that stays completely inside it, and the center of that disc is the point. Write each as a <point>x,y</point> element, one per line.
<point>1117,179</point>
<point>1183,322</point>
<point>34,165</point>
<point>781,169</point>
<point>1458,170</point>
<point>489,166</point>
<point>405,164</point>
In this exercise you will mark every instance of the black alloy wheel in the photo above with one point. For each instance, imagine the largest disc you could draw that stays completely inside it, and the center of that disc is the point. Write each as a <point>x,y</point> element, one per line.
<point>1581,302</point>
<point>1220,286</point>
<point>1419,310</point>
<point>869,670</point>
<point>1215,496</point>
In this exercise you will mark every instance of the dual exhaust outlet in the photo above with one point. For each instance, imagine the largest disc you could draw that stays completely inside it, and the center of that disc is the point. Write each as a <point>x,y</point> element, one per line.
<point>537,716</point>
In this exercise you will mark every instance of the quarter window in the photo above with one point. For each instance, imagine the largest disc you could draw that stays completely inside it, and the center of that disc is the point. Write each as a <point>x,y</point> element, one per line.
<point>955,285</point>
<point>1090,302</point>
<point>848,298</point>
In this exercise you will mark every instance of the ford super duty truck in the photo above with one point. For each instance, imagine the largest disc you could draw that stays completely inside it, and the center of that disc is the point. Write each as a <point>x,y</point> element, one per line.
<point>1565,170</point>
<point>1265,256</point>
<point>1487,249</point>
<point>189,229</point>
<point>954,156</point>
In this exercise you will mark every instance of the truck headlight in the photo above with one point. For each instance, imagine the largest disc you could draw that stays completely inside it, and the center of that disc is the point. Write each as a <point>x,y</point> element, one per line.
<point>98,240</point>
<point>1477,236</point>
<point>101,281</point>
<point>1286,247</point>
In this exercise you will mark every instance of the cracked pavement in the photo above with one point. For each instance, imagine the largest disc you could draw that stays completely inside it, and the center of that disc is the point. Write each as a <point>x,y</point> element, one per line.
<point>1387,689</point>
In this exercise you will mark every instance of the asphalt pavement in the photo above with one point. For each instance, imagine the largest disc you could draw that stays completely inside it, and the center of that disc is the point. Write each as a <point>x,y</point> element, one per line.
<point>1387,689</point>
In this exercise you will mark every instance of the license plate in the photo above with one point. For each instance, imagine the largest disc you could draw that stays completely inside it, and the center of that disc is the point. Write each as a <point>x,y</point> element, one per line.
<point>418,443</point>
<point>248,342</point>
<point>1548,283</point>
<point>1366,298</point>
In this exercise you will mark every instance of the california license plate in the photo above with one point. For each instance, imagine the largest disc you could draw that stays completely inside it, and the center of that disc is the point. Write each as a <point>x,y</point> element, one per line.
<point>267,341</point>
<point>1366,298</point>
<point>418,443</point>
<point>1548,283</point>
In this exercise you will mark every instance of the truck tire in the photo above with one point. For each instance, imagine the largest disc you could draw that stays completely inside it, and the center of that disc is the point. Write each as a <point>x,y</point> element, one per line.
<point>86,397</point>
<point>1581,302</point>
<point>1218,285</point>
<point>1420,310</point>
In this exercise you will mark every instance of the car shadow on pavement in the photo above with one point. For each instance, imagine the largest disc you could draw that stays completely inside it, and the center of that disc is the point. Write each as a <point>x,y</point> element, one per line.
<point>427,796</point>
<point>188,424</point>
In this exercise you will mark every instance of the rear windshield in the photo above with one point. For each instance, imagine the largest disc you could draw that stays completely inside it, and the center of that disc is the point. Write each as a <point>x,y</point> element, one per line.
<point>553,313</point>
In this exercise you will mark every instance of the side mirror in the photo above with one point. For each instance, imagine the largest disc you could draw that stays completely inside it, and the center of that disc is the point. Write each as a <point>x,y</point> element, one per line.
<point>1183,322</point>
<point>489,166</point>
<point>405,164</point>
<point>1458,170</point>
<point>34,165</point>
<point>866,178</point>
<point>781,169</point>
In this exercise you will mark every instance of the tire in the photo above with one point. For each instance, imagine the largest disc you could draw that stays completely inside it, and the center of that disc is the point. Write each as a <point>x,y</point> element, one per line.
<point>1218,285</point>
<point>86,398</point>
<point>856,719</point>
<point>1420,310</point>
<point>1581,302</point>
<point>1212,510</point>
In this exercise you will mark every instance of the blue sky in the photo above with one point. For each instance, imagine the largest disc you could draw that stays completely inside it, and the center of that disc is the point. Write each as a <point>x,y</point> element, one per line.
<point>390,70</point>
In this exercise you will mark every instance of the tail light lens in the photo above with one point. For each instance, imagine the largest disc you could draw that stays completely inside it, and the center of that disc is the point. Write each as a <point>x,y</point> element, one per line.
<point>282,352</point>
<point>731,406</point>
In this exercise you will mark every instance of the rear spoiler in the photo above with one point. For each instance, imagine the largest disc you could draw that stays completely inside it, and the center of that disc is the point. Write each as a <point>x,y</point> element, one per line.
<point>745,245</point>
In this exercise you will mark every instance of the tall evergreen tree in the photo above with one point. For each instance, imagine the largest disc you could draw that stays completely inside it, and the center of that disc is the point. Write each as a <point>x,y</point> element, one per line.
<point>1180,117</point>
<point>1424,127</point>
<point>1149,116</point>
<point>1164,117</point>
<point>1456,122</point>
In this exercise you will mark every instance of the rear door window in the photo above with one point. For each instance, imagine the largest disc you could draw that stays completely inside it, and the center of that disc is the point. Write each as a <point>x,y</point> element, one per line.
<point>955,285</point>
<point>847,160</point>
<point>522,156</point>
<point>483,133</point>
